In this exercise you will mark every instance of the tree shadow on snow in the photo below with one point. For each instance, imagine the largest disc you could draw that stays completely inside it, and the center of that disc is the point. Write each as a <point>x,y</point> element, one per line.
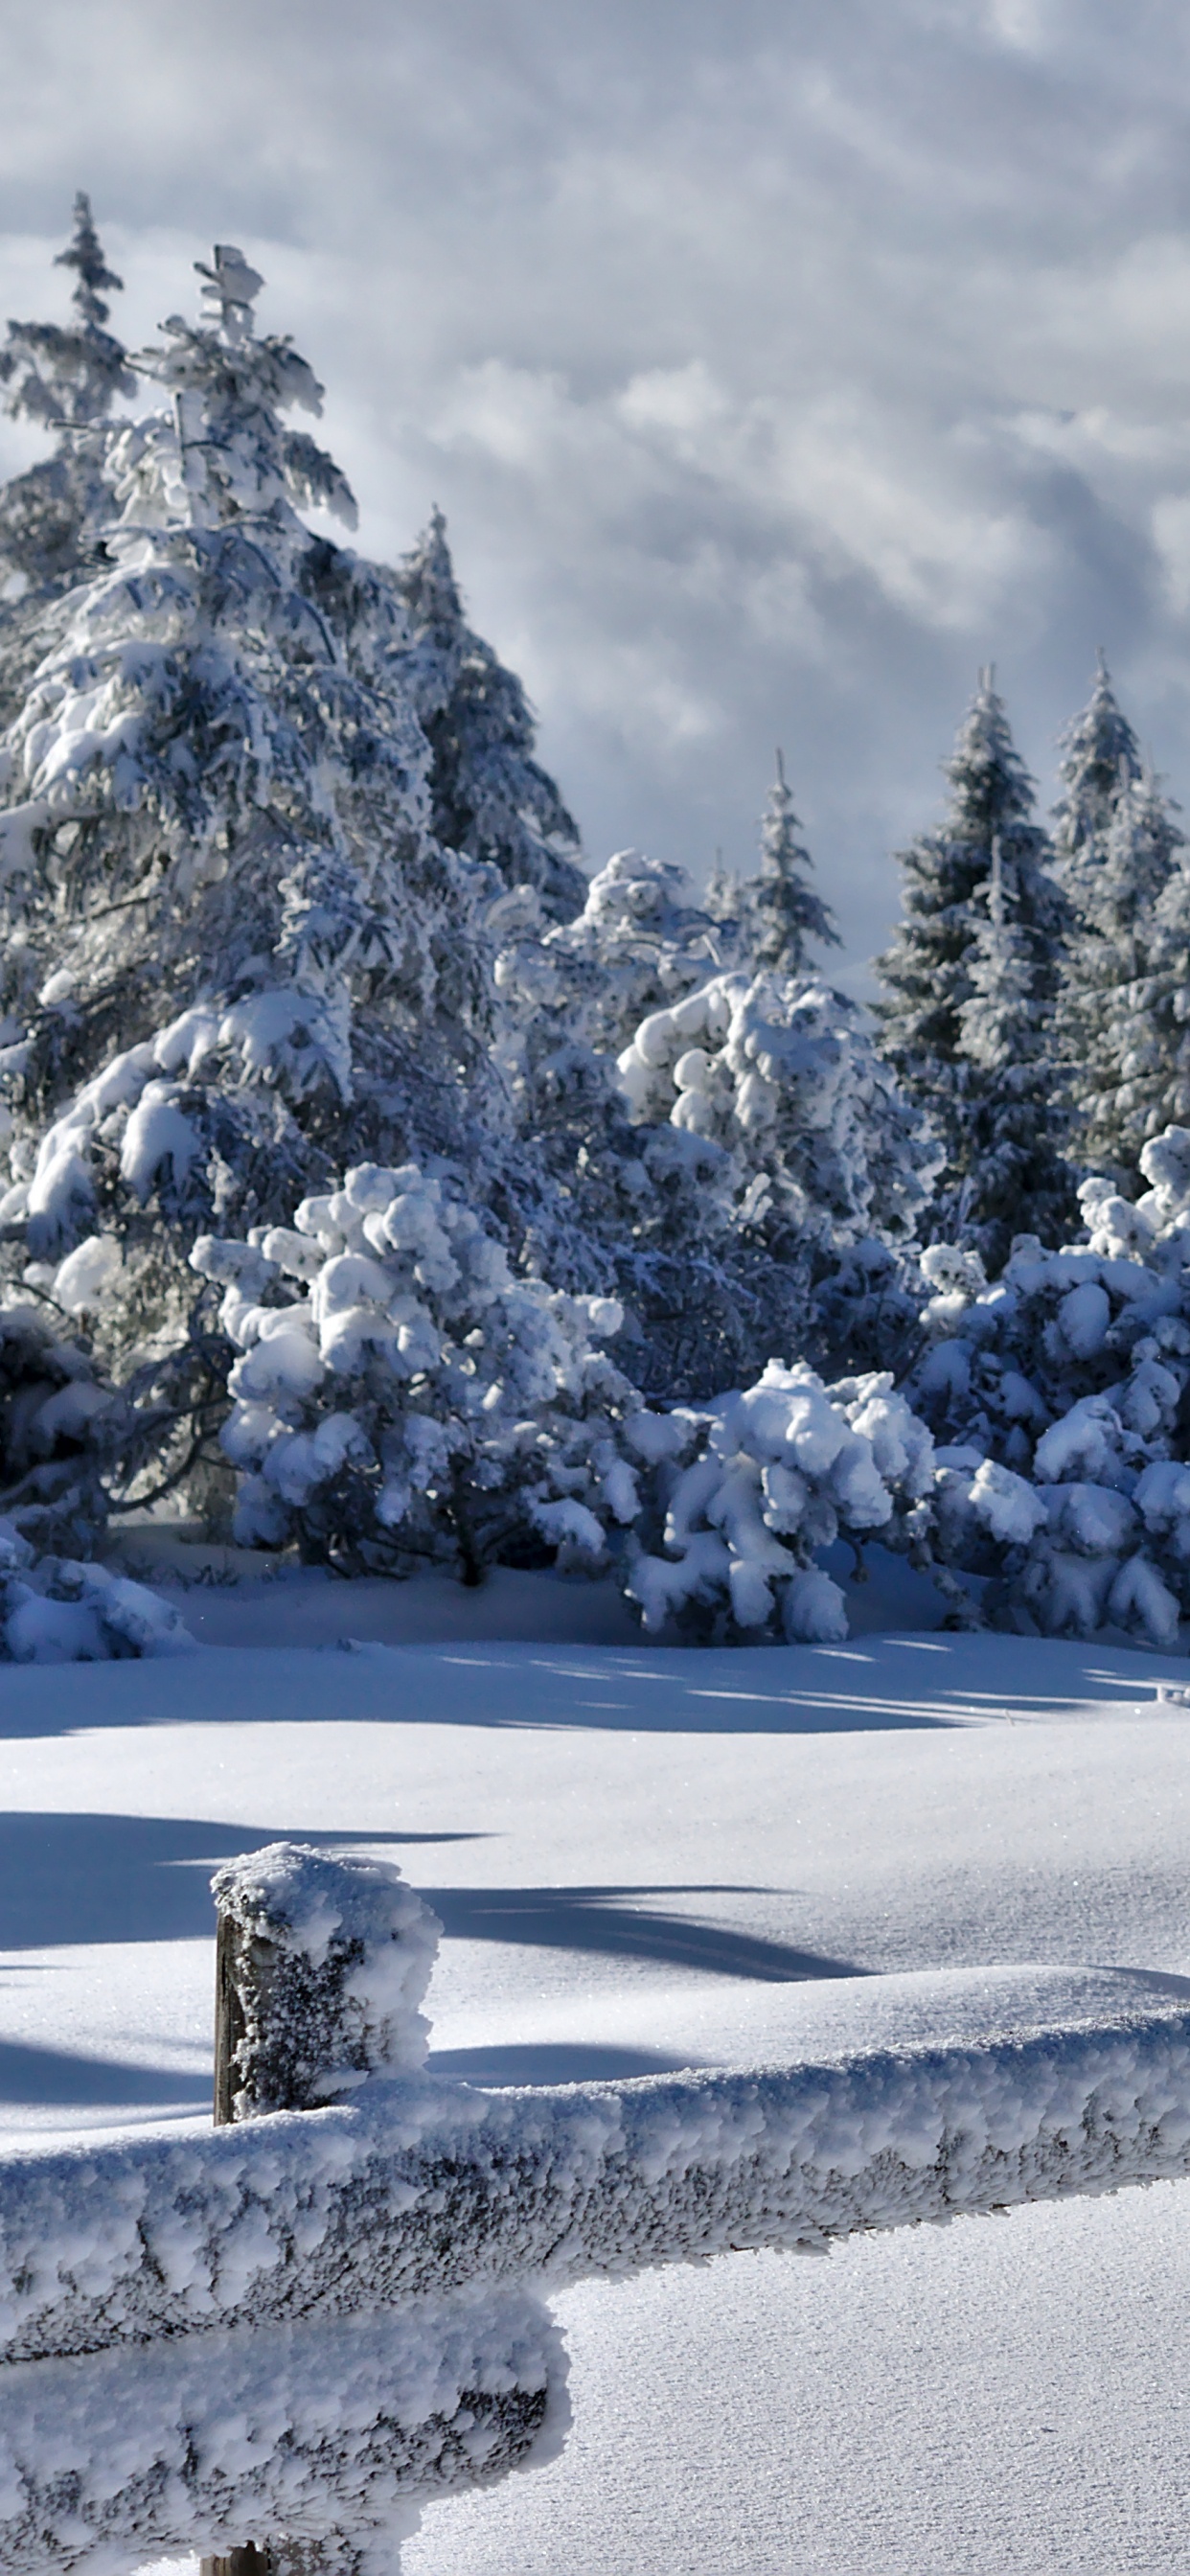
<point>50,2075</point>
<point>84,1878</point>
<point>551,2062</point>
<point>605,1921</point>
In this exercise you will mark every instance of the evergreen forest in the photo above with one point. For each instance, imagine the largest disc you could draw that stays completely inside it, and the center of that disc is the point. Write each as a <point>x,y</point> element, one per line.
<point>390,1186</point>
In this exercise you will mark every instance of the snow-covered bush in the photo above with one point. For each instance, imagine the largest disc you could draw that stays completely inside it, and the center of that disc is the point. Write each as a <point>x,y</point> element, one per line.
<point>54,1610</point>
<point>1059,1395</point>
<point>57,1420</point>
<point>399,1394</point>
<point>748,1490</point>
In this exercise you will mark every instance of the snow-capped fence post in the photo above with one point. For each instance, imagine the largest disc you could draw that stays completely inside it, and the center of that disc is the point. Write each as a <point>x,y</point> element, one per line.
<point>320,1967</point>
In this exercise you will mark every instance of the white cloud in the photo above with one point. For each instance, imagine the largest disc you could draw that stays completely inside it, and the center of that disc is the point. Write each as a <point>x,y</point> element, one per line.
<point>774,366</point>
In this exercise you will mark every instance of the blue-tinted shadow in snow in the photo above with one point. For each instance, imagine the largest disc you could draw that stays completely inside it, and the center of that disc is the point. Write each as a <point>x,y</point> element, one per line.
<point>604,1920</point>
<point>81,1878</point>
<point>50,2075</point>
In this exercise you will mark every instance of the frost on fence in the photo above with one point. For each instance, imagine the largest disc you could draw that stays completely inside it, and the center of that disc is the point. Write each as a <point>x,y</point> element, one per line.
<point>327,1962</point>
<point>333,2434</point>
<point>417,2190</point>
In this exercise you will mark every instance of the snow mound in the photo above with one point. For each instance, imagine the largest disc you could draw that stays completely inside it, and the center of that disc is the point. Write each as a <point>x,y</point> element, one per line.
<point>57,1611</point>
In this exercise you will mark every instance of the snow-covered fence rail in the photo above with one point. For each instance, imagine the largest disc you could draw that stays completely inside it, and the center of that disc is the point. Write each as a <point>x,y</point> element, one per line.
<point>420,2188</point>
<point>334,2434</point>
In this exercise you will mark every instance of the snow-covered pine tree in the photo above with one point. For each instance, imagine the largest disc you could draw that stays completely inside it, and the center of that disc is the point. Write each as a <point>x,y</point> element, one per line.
<point>1139,1046</point>
<point>622,1210</point>
<point>928,973</point>
<point>719,1212</point>
<point>233,953</point>
<point>66,376</point>
<point>489,797</point>
<point>1118,1012</point>
<point>1117,850</point>
<point>779,917</point>
<point>1100,754</point>
<point>1016,1118</point>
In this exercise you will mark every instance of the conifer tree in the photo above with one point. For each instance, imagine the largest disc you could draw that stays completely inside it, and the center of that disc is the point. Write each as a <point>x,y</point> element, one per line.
<point>779,915</point>
<point>1132,997</point>
<point>1118,1027</point>
<point>69,377</point>
<point>614,1211</point>
<point>489,797</point>
<point>1100,756</point>
<point>933,1007</point>
<point>1013,1096</point>
<point>233,952</point>
<point>66,377</point>
<point>1117,845</point>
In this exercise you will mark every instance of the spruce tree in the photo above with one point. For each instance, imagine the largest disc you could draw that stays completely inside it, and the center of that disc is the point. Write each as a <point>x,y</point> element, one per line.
<point>1100,756</point>
<point>779,916</point>
<point>489,798</point>
<point>1136,1017</point>
<point>1117,845</point>
<point>933,1008</point>
<point>66,377</point>
<point>234,955</point>
<point>1012,1092</point>
<point>69,376</point>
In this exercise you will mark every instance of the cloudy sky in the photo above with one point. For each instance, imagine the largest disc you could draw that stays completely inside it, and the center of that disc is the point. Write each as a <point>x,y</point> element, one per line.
<point>776,362</point>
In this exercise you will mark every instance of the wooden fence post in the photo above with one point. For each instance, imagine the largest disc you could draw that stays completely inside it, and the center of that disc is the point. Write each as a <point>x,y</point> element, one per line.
<point>293,2026</point>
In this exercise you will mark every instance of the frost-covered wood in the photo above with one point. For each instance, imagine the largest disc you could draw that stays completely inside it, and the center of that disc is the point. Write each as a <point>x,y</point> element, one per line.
<point>322,1964</point>
<point>329,2435</point>
<point>421,2188</point>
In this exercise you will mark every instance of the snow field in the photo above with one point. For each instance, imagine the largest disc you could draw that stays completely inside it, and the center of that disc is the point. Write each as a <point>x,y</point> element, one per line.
<point>649,1861</point>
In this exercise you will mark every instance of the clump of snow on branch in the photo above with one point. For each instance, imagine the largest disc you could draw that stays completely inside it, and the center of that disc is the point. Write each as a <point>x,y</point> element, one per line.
<point>783,1077</point>
<point>398,1393</point>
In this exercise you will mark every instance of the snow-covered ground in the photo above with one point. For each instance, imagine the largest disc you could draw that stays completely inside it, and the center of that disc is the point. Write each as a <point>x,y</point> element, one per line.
<point>647,1860</point>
